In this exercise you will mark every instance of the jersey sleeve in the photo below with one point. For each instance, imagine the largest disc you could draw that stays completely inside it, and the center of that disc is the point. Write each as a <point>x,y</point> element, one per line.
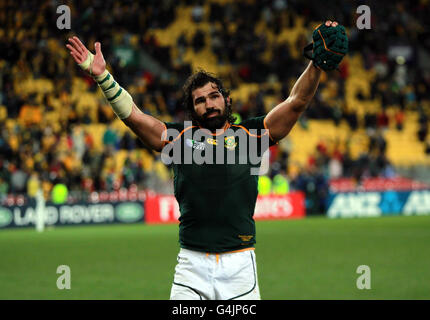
<point>257,125</point>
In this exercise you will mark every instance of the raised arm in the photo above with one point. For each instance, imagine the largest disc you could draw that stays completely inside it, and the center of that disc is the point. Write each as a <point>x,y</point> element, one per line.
<point>281,119</point>
<point>147,128</point>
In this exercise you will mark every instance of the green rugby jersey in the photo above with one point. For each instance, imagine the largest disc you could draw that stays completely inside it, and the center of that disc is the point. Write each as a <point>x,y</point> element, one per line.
<point>217,191</point>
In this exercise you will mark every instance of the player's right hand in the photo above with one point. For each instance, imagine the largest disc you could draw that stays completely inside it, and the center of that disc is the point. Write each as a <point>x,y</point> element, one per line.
<point>94,64</point>
<point>330,45</point>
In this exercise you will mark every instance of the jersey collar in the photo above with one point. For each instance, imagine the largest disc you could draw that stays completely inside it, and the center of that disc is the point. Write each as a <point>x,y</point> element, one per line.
<point>226,126</point>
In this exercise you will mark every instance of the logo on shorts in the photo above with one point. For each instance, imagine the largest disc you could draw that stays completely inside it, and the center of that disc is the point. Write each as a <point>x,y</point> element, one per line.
<point>245,238</point>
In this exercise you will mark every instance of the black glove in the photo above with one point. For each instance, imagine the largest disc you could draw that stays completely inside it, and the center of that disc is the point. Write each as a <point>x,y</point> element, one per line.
<point>330,45</point>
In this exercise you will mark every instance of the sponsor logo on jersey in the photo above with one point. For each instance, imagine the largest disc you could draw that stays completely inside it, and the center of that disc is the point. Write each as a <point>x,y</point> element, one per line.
<point>195,144</point>
<point>245,238</point>
<point>212,141</point>
<point>230,143</point>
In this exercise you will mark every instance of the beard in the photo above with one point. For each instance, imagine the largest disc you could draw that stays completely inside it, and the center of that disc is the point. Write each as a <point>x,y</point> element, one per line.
<point>212,123</point>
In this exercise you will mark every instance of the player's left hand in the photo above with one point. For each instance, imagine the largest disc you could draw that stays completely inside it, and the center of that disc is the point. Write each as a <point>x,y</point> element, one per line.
<point>330,45</point>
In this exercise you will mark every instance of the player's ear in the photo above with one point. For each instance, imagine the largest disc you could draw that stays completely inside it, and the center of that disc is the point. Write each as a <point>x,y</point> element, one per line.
<point>228,101</point>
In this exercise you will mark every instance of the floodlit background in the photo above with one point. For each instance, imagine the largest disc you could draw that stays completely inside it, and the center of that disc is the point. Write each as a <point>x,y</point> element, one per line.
<point>361,150</point>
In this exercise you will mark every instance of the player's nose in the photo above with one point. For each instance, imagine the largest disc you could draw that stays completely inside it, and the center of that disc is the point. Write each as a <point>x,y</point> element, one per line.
<point>210,104</point>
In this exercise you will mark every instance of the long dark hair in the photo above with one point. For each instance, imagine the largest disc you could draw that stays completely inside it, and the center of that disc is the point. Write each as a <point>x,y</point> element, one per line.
<point>198,80</point>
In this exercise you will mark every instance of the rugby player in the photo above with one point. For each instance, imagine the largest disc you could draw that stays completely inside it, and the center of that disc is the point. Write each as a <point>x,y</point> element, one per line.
<point>217,200</point>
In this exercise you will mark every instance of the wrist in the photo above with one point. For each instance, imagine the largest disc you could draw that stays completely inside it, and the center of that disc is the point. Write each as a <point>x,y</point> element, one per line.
<point>86,65</point>
<point>102,76</point>
<point>315,66</point>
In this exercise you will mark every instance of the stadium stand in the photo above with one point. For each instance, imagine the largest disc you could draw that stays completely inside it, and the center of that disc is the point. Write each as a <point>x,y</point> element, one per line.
<point>366,120</point>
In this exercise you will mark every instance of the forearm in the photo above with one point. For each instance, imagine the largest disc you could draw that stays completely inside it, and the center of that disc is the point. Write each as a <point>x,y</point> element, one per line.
<point>118,97</point>
<point>147,128</point>
<point>282,118</point>
<point>305,87</point>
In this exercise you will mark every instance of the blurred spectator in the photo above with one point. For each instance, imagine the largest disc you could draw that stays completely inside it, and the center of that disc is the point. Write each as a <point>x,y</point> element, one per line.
<point>33,185</point>
<point>4,188</point>
<point>370,122</point>
<point>78,141</point>
<point>127,142</point>
<point>335,166</point>
<point>427,147</point>
<point>382,119</point>
<point>264,185</point>
<point>315,187</point>
<point>197,12</point>
<point>59,193</point>
<point>422,132</point>
<point>377,142</point>
<point>198,41</point>
<point>18,180</point>
<point>30,114</point>
<point>280,184</point>
<point>399,119</point>
<point>110,138</point>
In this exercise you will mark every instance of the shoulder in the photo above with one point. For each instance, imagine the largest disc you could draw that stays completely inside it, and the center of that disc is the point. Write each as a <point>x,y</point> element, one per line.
<point>174,130</point>
<point>256,127</point>
<point>253,123</point>
<point>174,125</point>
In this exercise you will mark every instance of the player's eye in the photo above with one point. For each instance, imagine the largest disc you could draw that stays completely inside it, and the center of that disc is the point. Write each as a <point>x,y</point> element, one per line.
<point>199,100</point>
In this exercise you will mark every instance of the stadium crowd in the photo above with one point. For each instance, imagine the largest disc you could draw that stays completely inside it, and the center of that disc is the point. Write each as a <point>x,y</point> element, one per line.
<point>44,126</point>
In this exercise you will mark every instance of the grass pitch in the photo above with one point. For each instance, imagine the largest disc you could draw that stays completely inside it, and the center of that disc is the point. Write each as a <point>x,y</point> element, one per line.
<point>313,258</point>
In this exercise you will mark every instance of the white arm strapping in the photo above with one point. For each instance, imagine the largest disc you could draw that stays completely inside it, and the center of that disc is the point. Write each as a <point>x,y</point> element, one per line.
<point>118,97</point>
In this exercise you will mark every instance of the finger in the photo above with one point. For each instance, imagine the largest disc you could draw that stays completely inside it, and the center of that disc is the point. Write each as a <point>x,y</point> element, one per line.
<point>75,45</point>
<point>98,48</point>
<point>76,58</point>
<point>83,48</point>
<point>73,50</point>
<point>327,23</point>
<point>334,24</point>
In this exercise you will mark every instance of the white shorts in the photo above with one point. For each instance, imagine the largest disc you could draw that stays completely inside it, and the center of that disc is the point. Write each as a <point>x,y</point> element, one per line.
<point>215,276</point>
